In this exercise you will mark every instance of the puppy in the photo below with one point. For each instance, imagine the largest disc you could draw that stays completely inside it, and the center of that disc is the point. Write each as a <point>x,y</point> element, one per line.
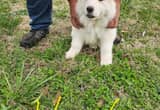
<point>94,15</point>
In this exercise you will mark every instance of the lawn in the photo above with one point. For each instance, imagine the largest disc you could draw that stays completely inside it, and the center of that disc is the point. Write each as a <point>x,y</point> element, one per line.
<point>134,76</point>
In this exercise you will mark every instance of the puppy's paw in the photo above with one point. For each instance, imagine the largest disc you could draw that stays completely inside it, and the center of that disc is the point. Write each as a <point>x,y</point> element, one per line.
<point>70,55</point>
<point>106,62</point>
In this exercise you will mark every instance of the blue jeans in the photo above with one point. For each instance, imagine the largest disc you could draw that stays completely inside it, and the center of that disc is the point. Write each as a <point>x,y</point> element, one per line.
<point>40,12</point>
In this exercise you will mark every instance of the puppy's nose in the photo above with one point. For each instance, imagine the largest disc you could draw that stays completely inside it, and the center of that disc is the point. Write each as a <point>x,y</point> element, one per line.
<point>90,9</point>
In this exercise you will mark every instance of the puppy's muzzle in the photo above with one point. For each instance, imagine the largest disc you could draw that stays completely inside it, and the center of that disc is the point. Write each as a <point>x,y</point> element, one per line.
<point>90,11</point>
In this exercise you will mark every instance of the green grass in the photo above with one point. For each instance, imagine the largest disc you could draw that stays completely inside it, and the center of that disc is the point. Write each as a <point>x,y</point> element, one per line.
<point>134,76</point>
<point>8,20</point>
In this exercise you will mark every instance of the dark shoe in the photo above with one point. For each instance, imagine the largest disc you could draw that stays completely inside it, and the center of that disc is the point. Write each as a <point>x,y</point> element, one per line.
<point>117,40</point>
<point>32,38</point>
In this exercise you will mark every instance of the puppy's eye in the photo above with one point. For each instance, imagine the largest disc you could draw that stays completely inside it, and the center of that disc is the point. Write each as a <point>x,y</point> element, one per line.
<point>100,0</point>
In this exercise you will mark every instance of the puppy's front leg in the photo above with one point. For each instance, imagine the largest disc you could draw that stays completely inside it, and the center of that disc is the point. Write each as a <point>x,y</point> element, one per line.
<point>106,45</point>
<point>106,53</point>
<point>76,46</point>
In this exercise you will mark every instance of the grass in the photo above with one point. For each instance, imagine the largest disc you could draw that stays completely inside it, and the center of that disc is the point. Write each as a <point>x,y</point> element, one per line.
<point>84,85</point>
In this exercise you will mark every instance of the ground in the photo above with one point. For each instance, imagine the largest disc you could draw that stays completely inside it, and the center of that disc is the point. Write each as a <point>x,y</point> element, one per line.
<point>134,76</point>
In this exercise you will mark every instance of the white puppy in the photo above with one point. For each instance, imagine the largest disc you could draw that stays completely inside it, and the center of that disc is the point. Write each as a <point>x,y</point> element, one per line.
<point>94,15</point>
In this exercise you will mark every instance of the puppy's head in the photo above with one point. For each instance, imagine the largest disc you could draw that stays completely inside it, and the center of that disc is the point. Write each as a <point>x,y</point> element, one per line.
<point>94,9</point>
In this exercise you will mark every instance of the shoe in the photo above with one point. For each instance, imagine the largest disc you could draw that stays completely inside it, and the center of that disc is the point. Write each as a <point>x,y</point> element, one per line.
<point>33,37</point>
<point>117,40</point>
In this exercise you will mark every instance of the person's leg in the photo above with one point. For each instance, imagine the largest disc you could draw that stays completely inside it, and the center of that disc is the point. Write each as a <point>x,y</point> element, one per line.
<point>40,13</point>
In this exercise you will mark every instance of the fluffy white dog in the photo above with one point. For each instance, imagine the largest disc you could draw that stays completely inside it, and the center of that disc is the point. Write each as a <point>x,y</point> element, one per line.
<point>94,15</point>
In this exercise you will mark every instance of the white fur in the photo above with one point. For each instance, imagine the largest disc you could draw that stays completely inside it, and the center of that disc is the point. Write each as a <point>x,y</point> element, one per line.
<point>94,32</point>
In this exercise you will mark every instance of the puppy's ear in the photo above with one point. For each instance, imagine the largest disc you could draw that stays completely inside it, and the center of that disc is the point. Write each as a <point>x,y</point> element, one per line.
<point>114,22</point>
<point>74,18</point>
